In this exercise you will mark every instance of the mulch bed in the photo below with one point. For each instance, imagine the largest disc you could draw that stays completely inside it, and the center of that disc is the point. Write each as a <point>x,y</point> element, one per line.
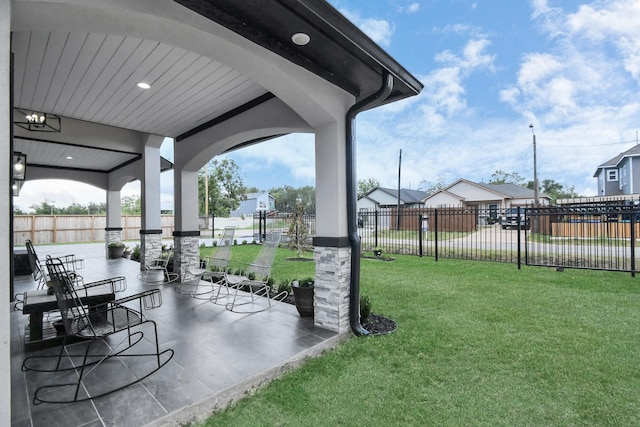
<point>379,325</point>
<point>379,258</point>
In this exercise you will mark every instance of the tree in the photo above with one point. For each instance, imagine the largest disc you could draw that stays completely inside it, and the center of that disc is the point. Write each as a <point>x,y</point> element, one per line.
<point>45,208</point>
<point>555,190</point>
<point>366,185</point>
<point>298,232</point>
<point>501,177</point>
<point>430,187</point>
<point>288,197</point>
<point>131,205</point>
<point>221,183</point>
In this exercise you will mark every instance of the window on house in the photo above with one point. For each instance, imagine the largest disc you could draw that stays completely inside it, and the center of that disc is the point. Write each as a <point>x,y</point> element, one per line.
<point>612,175</point>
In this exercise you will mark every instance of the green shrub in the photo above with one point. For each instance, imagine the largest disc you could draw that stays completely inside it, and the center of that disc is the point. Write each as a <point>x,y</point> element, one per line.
<point>244,242</point>
<point>307,282</point>
<point>365,307</point>
<point>135,253</point>
<point>284,286</point>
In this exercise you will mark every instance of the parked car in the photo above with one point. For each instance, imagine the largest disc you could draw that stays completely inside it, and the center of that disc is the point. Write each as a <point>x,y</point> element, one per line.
<point>510,219</point>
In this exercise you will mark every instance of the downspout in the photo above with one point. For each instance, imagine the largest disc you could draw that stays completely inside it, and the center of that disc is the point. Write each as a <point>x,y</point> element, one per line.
<point>352,228</point>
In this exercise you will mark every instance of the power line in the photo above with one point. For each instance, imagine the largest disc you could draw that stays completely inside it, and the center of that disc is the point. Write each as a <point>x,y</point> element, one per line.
<point>588,145</point>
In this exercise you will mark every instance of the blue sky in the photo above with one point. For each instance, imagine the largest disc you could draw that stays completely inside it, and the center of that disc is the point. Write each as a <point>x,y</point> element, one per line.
<point>490,68</point>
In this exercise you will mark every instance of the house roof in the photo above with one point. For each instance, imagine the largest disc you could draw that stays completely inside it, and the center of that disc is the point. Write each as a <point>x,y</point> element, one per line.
<point>512,191</point>
<point>613,162</point>
<point>407,196</point>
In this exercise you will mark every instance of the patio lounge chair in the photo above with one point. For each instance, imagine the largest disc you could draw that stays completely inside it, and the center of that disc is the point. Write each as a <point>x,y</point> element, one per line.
<point>251,293</point>
<point>211,279</point>
<point>107,331</point>
<point>159,265</point>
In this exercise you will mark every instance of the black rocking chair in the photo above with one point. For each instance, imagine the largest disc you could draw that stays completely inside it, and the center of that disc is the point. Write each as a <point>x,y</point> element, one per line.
<point>105,334</point>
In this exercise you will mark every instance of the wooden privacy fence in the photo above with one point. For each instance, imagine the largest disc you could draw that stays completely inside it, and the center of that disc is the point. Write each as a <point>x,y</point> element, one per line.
<point>45,229</point>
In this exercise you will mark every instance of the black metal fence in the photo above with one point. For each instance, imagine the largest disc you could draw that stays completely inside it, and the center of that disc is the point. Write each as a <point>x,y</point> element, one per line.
<point>590,237</point>
<point>265,222</point>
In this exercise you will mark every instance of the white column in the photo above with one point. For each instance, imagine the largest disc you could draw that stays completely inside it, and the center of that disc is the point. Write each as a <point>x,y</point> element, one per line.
<point>113,230</point>
<point>332,251</point>
<point>151,226</point>
<point>186,236</point>
<point>5,214</point>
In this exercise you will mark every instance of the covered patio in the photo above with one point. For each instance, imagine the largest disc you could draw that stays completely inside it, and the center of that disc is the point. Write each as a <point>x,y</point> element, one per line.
<point>109,80</point>
<point>219,355</point>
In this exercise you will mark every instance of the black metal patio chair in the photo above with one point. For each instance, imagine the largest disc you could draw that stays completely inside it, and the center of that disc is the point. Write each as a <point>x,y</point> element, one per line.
<point>104,335</point>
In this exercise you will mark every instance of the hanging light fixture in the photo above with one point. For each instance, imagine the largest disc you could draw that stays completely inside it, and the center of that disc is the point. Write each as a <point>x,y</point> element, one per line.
<point>37,122</point>
<point>16,186</point>
<point>19,166</point>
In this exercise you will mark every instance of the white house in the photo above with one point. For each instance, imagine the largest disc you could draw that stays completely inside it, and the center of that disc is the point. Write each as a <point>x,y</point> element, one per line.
<point>465,193</point>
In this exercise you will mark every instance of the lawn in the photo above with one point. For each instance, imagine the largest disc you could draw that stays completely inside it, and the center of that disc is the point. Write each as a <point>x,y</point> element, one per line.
<point>477,344</point>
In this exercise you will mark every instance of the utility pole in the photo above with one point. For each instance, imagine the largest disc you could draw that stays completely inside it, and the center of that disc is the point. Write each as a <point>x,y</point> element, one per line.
<point>535,170</point>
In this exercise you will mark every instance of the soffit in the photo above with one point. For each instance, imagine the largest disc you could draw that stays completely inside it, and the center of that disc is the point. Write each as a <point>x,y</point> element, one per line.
<point>93,77</point>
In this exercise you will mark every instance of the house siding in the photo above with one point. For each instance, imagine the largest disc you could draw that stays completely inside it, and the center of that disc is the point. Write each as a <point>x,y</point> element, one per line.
<point>611,188</point>
<point>635,175</point>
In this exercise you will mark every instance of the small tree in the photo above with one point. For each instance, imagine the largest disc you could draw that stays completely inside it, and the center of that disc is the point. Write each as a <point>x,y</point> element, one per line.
<point>298,232</point>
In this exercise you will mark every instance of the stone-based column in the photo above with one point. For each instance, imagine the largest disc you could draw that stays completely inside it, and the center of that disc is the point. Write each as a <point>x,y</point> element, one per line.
<point>332,250</point>
<point>331,299</point>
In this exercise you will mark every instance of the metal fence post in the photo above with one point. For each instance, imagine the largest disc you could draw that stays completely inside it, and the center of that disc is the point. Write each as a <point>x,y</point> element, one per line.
<point>420,235</point>
<point>519,225</point>
<point>435,232</point>
<point>375,232</point>
<point>632,221</point>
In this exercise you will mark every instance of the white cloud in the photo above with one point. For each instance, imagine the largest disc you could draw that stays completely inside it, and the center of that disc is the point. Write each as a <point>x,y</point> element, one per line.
<point>379,30</point>
<point>411,8</point>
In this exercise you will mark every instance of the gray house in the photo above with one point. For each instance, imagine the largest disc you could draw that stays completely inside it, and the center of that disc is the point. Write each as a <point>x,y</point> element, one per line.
<point>381,197</point>
<point>255,202</point>
<point>621,174</point>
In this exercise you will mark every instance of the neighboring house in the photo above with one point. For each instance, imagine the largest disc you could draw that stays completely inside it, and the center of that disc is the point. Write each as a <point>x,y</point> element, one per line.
<point>380,197</point>
<point>621,174</point>
<point>255,202</point>
<point>465,193</point>
<point>387,198</point>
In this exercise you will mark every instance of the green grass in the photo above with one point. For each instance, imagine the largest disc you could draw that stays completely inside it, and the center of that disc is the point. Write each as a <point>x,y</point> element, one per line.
<point>477,344</point>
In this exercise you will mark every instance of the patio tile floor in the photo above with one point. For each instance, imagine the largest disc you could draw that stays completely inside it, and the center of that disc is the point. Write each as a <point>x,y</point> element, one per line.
<point>218,354</point>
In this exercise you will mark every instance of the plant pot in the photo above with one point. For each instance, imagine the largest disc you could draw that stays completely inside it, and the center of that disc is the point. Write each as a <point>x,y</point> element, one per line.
<point>115,251</point>
<point>304,300</point>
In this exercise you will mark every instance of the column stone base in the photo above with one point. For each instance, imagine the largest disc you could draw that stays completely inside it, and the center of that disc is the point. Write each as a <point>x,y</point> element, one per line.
<point>111,235</point>
<point>331,299</point>
<point>150,247</point>
<point>186,251</point>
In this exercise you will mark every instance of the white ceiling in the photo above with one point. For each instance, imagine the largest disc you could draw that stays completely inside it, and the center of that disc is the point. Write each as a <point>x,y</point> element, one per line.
<point>93,77</point>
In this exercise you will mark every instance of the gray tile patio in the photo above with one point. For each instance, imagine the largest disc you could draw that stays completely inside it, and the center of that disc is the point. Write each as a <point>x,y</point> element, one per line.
<point>219,355</point>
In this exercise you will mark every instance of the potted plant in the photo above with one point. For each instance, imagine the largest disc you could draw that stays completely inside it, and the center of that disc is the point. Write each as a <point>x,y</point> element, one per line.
<point>115,249</point>
<point>303,294</point>
<point>377,251</point>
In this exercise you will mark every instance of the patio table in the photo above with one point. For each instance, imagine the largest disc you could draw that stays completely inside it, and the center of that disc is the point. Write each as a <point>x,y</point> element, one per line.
<point>38,302</point>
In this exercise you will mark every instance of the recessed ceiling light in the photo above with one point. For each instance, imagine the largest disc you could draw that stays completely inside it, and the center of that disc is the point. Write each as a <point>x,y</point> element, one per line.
<point>69,158</point>
<point>144,85</point>
<point>300,39</point>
